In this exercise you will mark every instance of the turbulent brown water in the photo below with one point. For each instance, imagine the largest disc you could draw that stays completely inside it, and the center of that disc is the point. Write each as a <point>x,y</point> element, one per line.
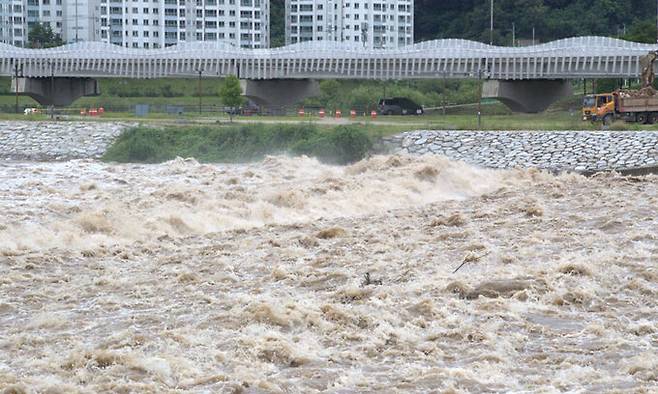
<point>291,276</point>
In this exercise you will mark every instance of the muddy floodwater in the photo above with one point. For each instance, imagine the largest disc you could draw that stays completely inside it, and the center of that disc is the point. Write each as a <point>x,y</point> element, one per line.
<point>395,274</point>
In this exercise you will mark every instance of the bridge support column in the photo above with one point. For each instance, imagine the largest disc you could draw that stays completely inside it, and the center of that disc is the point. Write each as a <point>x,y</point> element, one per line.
<point>530,96</point>
<point>279,92</point>
<point>58,91</point>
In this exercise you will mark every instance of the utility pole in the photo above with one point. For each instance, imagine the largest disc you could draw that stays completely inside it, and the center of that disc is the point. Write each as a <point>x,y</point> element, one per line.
<point>16,83</point>
<point>584,87</point>
<point>52,90</point>
<point>199,89</point>
<point>492,23</point>
<point>443,96</point>
<point>533,35</point>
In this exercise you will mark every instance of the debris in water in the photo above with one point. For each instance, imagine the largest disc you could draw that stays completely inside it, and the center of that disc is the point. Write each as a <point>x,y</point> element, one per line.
<point>454,220</point>
<point>533,209</point>
<point>333,232</point>
<point>458,288</point>
<point>367,280</point>
<point>574,269</point>
<point>469,258</point>
<point>95,223</point>
<point>308,242</point>
<point>427,173</point>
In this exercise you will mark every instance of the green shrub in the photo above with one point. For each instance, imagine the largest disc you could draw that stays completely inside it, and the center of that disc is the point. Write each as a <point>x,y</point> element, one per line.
<point>241,143</point>
<point>141,151</point>
<point>620,125</point>
<point>342,145</point>
<point>167,91</point>
<point>150,92</point>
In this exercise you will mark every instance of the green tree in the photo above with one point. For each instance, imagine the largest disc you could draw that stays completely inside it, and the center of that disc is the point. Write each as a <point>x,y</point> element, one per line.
<point>642,31</point>
<point>551,19</point>
<point>277,23</point>
<point>231,94</point>
<point>42,36</point>
<point>330,93</point>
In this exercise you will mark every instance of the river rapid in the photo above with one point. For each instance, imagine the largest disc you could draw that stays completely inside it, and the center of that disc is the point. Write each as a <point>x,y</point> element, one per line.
<point>395,274</point>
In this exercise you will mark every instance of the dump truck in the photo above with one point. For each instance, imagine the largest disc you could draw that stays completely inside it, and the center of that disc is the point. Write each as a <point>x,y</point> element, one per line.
<point>629,105</point>
<point>593,101</point>
<point>639,106</point>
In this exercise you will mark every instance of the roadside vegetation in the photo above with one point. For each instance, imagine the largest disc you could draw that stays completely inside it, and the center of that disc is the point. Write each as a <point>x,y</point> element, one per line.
<point>241,143</point>
<point>364,95</point>
<point>449,105</point>
<point>122,93</point>
<point>457,119</point>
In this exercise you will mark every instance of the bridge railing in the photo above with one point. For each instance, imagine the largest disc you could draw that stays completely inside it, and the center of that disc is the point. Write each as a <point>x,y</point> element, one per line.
<point>582,57</point>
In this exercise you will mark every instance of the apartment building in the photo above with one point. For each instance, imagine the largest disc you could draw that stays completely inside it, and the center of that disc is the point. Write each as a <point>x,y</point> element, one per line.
<point>161,23</point>
<point>80,20</point>
<point>73,20</point>
<point>140,23</point>
<point>375,24</point>
<point>5,25</point>
<point>13,17</point>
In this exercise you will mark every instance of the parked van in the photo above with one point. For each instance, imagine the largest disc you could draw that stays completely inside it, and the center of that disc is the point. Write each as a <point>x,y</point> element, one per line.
<point>399,106</point>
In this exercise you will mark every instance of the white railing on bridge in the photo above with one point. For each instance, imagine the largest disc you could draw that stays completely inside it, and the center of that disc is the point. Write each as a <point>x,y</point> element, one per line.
<point>582,57</point>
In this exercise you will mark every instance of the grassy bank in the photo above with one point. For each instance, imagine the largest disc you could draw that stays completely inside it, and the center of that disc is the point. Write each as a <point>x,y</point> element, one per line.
<point>241,143</point>
<point>384,125</point>
<point>126,103</point>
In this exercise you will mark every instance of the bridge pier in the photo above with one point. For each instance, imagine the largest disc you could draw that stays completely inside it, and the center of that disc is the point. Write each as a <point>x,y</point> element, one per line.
<point>279,92</point>
<point>529,96</point>
<point>58,91</point>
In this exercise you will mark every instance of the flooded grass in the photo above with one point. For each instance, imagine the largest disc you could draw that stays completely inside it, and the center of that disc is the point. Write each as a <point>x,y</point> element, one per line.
<point>240,143</point>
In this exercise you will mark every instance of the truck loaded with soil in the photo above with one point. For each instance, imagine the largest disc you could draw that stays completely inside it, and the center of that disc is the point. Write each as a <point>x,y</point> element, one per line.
<point>640,106</point>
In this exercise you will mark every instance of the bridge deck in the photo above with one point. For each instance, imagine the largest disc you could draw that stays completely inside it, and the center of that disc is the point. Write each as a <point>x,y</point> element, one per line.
<point>574,58</point>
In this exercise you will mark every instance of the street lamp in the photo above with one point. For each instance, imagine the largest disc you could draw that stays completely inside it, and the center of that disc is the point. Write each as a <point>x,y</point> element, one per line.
<point>200,71</point>
<point>479,97</point>
<point>514,34</point>
<point>483,74</point>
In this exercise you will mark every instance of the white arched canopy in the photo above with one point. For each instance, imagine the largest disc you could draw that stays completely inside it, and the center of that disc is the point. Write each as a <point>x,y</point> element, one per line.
<point>581,57</point>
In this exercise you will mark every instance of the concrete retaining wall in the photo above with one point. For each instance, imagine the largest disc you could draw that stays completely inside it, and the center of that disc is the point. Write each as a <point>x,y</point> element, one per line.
<point>56,140</point>
<point>580,151</point>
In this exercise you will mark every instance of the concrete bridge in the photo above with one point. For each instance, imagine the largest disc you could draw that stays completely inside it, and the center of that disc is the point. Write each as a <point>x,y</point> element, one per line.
<point>526,78</point>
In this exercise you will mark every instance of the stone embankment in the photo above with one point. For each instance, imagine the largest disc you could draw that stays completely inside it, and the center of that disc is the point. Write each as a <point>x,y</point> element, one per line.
<point>579,151</point>
<point>56,140</point>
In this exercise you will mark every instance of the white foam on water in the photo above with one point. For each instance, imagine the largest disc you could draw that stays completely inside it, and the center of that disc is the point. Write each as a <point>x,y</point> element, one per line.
<point>288,275</point>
